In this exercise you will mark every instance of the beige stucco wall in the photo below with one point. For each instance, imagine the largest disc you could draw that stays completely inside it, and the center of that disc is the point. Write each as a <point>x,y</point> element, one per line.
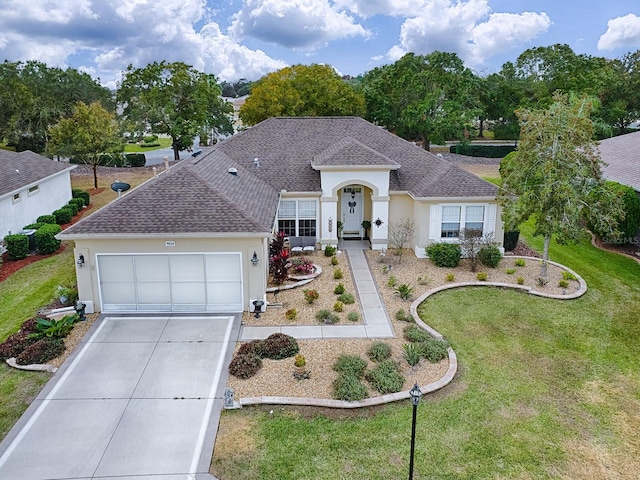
<point>254,278</point>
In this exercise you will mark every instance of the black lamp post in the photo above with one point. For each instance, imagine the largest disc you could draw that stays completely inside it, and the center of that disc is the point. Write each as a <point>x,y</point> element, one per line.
<point>415,399</point>
<point>257,307</point>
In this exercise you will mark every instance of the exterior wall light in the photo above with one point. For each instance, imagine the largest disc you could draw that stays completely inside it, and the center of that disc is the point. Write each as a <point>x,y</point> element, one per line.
<point>80,261</point>
<point>254,259</point>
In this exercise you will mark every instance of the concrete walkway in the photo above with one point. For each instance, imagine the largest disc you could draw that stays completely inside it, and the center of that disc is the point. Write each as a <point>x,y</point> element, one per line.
<point>375,316</point>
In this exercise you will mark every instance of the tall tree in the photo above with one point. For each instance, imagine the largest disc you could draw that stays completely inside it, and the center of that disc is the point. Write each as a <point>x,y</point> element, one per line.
<point>34,97</point>
<point>88,134</point>
<point>555,175</point>
<point>428,97</point>
<point>301,90</point>
<point>174,99</point>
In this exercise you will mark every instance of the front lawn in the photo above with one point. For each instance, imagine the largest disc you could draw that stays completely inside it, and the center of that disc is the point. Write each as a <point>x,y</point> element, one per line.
<point>165,142</point>
<point>545,389</point>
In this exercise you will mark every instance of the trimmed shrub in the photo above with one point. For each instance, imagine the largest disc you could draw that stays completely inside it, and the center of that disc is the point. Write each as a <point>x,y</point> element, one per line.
<point>255,347</point>
<point>245,366</point>
<point>489,256</point>
<point>291,314</point>
<point>63,215</point>
<point>302,266</point>
<point>339,290</point>
<point>519,262</point>
<point>79,202</point>
<point>278,346</point>
<point>563,283</point>
<point>414,333</point>
<point>444,254</point>
<point>510,271</point>
<point>353,316</point>
<point>46,219</point>
<point>486,151</point>
<point>73,207</point>
<point>434,350</point>
<point>337,273</point>
<point>379,351</point>
<point>349,388</point>
<point>510,240</point>
<point>385,377</point>
<point>17,246</point>
<point>136,159</point>
<point>338,307</point>
<point>41,351</point>
<point>325,316</point>
<point>76,193</point>
<point>46,241</point>
<point>329,251</point>
<point>347,298</point>
<point>34,226</point>
<point>520,280</point>
<point>334,260</point>
<point>351,365</point>
<point>482,276</point>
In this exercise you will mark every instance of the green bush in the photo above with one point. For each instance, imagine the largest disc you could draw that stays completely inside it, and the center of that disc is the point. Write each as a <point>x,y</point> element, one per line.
<point>350,365</point>
<point>520,280</point>
<point>568,276</point>
<point>278,346</point>
<point>339,289</point>
<point>245,366</point>
<point>33,226</point>
<point>255,347</point>
<point>73,207</point>
<point>338,307</point>
<point>385,377</point>
<point>510,271</point>
<point>329,251</point>
<point>325,316</point>
<point>291,314</point>
<point>510,240</point>
<point>136,159</point>
<point>482,276</point>
<point>79,202</point>
<point>337,273</point>
<point>17,246</point>
<point>353,316</point>
<point>41,351</point>
<point>403,316</point>
<point>486,151</point>
<point>404,291</point>
<point>489,256</point>
<point>46,219</point>
<point>563,283</point>
<point>347,298</point>
<point>63,215</point>
<point>434,350</point>
<point>84,195</point>
<point>444,254</point>
<point>519,262</point>
<point>349,388</point>
<point>334,260</point>
<point>627,224</point>
<point>48,327</point>
<point>46,241</point>
<point>414,333</point>
<point>379,351</point>
<point>412,352</point>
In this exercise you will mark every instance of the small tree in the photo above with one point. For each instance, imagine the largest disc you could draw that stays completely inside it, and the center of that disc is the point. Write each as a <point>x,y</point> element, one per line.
<point>555,175</point>
<point>401,234</point>
<point>471,242</point>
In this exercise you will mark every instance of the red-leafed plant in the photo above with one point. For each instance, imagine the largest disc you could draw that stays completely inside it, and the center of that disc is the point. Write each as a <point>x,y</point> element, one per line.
<point>279,263</point>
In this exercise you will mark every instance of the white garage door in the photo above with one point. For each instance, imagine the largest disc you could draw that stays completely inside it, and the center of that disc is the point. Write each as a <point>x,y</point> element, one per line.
<point>210,282</point>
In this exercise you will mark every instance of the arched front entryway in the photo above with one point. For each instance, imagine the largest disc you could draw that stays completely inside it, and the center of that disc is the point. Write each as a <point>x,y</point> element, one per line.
<point>353,200</point>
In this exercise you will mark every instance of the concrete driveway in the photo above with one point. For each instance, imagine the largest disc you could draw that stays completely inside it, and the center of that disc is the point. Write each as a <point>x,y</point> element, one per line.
<point>139,399</point>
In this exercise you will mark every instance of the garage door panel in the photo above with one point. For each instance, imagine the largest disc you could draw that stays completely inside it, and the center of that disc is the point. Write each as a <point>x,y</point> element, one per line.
<point>187,268</point>
<point>154,293</point>
<point>116,268</point>
<point>152,268</point>
<point>193,293</point>
<point>222,267</point>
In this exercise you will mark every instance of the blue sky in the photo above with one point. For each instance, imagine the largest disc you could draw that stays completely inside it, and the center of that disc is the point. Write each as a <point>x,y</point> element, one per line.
<point>248,38</point>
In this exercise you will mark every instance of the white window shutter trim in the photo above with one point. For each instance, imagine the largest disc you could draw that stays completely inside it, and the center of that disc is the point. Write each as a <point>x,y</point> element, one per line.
<point>490,221</point>
<point>434,221</point>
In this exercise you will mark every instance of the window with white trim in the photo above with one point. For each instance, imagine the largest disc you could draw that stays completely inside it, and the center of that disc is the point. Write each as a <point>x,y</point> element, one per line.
<point>16,197</point>
<point>33,190</point>
<point>455,217</point>
<point>297,218</point>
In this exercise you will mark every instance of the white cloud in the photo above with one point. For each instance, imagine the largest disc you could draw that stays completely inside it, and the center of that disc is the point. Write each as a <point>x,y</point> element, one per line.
<point>468,29</point>
<point>301,24</point>
<point>370,8</point>
<point>622,32</point>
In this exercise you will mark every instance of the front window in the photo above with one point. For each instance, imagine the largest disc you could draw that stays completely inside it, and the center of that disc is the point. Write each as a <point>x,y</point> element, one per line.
<point>450,222</point>
<point>297,218</point>
<point>33,190</point>
<point>455,217</point>
<point>474,218</point>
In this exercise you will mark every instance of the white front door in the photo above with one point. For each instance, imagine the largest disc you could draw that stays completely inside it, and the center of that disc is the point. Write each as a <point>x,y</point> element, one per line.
<point>352,211</point>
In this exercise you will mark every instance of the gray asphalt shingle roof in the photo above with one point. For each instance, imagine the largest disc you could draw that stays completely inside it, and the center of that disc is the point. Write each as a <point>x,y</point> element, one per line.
<point>200,195</point>
<point>622,155</point>
<point>17,170</point>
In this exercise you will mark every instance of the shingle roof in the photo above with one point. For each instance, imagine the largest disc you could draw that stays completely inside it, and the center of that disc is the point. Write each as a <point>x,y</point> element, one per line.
<point>622,154</point>
<point>17,170</point>
<point>200,196</point>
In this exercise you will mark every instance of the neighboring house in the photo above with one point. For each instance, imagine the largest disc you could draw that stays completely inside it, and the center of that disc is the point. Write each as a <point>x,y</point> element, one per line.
<point>622,156</point>
<point>30,185</point>
<point>196,238</point>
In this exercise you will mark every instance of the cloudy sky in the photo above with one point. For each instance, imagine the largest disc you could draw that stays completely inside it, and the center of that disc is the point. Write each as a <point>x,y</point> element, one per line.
<point>248,38</point>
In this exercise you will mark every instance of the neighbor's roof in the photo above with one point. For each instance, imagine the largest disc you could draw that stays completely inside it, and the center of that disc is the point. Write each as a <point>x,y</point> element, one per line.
<point>200,196</point>
<point>622,156</point>
<point>20,170</point>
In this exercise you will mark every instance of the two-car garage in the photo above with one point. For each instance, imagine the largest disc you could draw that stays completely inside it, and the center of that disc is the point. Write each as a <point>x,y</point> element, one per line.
<point>177,282</point>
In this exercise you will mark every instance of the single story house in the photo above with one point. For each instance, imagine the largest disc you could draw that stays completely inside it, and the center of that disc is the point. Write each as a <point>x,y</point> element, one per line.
<point>622,158</point>
<point>196,238</point>
<point>30,185</point>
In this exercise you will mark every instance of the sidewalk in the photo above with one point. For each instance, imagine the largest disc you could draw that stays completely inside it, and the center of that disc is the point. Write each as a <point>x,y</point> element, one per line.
<point>376,319</point>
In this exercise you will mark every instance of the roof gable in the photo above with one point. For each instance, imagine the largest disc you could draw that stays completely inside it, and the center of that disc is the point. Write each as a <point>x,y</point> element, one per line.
<point>349,152</point>
<point>18,170</point>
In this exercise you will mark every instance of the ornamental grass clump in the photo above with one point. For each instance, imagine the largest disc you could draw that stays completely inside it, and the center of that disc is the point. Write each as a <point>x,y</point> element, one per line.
<point>385,377</point>
<point>379,351</point>
<point>325,316</point>
<point>347,298</point>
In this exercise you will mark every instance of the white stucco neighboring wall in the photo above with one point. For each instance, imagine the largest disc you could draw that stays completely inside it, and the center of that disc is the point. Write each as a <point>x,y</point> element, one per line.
<point>52,193</point>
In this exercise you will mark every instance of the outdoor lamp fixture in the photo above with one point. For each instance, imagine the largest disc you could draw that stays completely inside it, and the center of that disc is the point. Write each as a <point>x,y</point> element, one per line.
<point>80,261</point>
<point>257,307</point>
<point>254,259</point>
<point>330,224</point>
<point>378,222</point>
<point>415,394</point>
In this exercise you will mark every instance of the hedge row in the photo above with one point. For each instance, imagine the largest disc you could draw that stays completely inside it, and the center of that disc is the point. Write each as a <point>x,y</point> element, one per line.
<point>117,160</point>
<point>486,151</point>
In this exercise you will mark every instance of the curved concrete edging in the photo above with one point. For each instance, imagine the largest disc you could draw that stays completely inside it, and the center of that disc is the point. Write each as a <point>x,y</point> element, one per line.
<point>34,367</point>
<point>301,280</point>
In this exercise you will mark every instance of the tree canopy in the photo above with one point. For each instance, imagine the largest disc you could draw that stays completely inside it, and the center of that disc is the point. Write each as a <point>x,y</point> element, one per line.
<point>88,134</point>
<point>428,97</point>
<point>34,97</point>
<point>301,90</point>
<point>555,175</point>
<point>174,99</point>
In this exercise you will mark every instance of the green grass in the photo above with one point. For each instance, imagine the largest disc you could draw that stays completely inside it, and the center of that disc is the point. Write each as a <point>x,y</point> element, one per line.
<point>546,389</point>
<point>164,142</point>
